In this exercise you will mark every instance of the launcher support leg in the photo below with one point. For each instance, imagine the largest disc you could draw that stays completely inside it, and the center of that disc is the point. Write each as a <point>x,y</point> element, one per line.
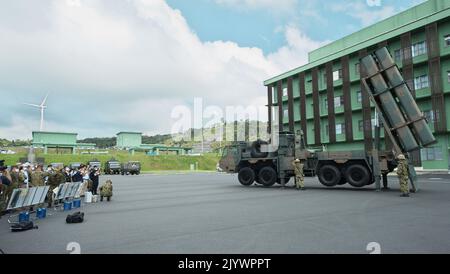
<point>413,178</point>
<point>385,182</point>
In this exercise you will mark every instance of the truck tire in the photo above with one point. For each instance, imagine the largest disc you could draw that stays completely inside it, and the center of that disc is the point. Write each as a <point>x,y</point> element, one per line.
<point>357,175</point>
<point>267,176</point>
<point>329,175</point>
<point>246,176</point>
<point>256,149</point>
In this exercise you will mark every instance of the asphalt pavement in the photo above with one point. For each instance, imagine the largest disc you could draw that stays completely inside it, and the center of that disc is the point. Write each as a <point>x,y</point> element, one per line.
<point>214,214</point>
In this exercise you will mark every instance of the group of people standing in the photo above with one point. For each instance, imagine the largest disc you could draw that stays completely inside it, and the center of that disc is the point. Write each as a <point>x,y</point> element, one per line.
<point>27,175</point>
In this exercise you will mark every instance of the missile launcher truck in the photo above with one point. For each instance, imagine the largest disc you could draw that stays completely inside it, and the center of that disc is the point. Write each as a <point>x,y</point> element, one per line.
<point>113,167</point>
<point>267,163</point>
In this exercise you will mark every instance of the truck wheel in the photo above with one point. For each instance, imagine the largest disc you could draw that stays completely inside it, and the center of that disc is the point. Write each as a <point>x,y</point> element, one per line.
<point>267,176</point>
<point>246,176</point>
<point>357,175</point>
<point>329,175</point>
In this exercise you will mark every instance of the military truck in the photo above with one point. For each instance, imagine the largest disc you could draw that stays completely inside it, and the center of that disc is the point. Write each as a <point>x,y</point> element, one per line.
<point>74,166</point>
<point>95,163</point>
<point>267,163</point>
<point>113,167</point>
<point>131,168</point>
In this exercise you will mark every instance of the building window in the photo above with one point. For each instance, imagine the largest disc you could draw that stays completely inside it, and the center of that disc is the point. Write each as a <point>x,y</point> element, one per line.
<point>432,154</point>
<point>419,49</point>
<point>338,101</point>
<point>340,129</point>
<point>357,68</point>
<point>421,82</point>
<point>286,113</point>
<point>447,40</point>
<point>361,125</point>
<point>398,55</point>
<point>429,115</point>
<point>359,97</point>
<point>448,76</point>
<point>337,75</point>
<point>285,92</point>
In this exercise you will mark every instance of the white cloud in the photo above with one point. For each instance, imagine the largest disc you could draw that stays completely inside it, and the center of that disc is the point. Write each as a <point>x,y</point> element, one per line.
<point>280,5</point>
<point>365,13</point>
<point>296,51</point>
<point>117,65</point>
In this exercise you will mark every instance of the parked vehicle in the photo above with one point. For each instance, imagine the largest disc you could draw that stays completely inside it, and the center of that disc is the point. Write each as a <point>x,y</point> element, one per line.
<point>113,167</point>
<point>402,119</point>
<point>131,168</point>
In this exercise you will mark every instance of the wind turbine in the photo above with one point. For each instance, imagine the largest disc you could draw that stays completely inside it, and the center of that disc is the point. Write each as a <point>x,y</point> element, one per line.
<point>42,107</point>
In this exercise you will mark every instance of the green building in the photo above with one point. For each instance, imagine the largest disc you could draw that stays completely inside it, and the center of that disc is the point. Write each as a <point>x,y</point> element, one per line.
<point>60,141</point>
<point>158,149</point>
<point>132,141</point>
<point>324,98</point>
<point>128,140</point>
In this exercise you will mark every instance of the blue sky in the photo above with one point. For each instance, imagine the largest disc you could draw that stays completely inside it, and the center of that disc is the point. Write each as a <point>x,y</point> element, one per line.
<point>260,26</point>
<point>116,65</point>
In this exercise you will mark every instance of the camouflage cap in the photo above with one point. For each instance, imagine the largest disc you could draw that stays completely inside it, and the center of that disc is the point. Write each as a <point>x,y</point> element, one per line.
<point>401,157</point>
<point>297,160</point>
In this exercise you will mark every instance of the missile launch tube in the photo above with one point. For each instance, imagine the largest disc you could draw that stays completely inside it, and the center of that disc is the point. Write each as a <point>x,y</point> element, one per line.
<point>407,103</point>
<point>389,105</point>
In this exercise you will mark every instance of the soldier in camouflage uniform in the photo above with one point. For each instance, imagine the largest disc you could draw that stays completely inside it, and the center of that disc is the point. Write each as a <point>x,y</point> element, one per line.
<point>17,179</point>
<point>54,180</point>
<point>106,190</point>
<point>403,175</point>
<point>299,175</point>
<point>38,177</point>
<point>5,182</point>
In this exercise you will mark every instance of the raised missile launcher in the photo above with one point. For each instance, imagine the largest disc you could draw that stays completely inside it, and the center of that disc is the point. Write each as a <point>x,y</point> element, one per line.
<point>406,127</point>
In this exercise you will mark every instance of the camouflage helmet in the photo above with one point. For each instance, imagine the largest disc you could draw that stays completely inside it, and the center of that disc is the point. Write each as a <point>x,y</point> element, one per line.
<point>401,157</point>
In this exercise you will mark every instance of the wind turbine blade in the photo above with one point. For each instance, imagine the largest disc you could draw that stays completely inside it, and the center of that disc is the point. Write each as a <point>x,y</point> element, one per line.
<point>45,100</point>
<point>33,105</point>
